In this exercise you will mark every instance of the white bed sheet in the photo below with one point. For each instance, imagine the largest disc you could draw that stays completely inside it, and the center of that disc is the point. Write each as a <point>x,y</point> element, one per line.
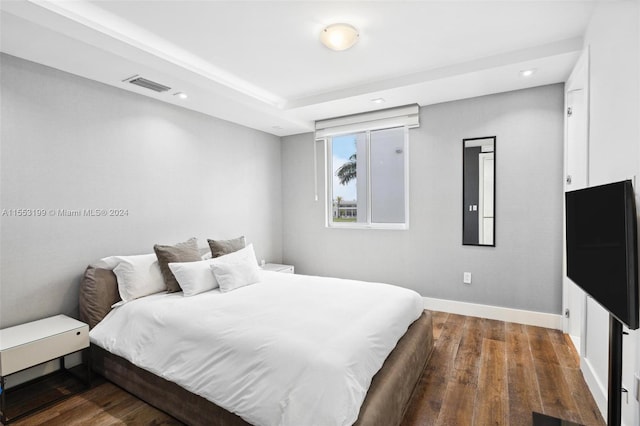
<point>291,350</point>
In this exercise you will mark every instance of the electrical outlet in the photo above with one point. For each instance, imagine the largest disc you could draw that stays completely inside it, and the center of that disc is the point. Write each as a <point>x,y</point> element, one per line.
<point>466,278</point>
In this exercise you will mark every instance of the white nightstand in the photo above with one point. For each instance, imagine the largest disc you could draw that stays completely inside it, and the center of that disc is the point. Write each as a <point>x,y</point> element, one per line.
<point>276,267</point>
<point>27,345</point>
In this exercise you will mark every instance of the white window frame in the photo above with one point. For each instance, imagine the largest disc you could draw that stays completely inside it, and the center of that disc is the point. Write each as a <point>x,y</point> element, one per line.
<point>329,223</point>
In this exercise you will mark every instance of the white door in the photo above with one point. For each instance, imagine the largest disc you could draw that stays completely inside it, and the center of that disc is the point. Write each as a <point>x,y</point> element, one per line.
<point>576,177</point>
<point>576,154</point>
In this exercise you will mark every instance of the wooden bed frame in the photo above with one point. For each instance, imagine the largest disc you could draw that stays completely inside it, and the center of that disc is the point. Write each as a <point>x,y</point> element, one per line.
<point>385,404</point>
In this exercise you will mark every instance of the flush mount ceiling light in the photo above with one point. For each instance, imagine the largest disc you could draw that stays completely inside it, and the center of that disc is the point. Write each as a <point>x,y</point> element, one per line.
<point>378,100</point>
<point>181,95</point>
<point>339,36</point>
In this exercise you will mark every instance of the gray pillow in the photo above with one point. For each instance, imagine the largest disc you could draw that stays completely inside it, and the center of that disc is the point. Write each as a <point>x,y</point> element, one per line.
<point>98,291</point>
<point>222,247</point>
<point>181,252</point>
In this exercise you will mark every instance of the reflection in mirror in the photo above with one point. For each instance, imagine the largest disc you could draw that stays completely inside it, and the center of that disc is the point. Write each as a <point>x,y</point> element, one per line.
<point>478,189</point>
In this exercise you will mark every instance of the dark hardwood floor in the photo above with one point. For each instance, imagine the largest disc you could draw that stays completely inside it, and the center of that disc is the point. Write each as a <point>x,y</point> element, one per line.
<point>482,372</point>
<point>485,372</point>
<point>103,404</point>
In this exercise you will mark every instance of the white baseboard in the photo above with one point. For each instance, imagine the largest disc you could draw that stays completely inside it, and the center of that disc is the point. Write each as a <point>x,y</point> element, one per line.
<point>597,388</point>
<point>520,316</point>
<point>576,343</point>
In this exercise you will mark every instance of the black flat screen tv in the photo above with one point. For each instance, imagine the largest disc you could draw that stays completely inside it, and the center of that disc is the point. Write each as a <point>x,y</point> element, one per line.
<point>602,255</point>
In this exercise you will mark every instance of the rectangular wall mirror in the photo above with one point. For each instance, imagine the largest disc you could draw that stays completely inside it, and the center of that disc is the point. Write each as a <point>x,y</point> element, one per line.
<point>478,191</point>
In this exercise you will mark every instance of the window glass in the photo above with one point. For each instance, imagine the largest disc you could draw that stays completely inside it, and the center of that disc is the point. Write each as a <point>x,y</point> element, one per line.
<point>368,179</point>
<point>387,176</point>
<point>348,162</point>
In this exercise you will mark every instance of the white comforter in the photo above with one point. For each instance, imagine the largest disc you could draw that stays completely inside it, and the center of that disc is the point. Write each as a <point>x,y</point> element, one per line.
<point>290,350</point>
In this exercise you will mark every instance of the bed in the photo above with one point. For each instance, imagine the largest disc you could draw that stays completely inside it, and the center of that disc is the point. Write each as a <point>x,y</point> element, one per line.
<point>385,396</point>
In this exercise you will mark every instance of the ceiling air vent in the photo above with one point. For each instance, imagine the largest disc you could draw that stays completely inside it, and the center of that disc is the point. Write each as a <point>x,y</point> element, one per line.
<point>147,84</point>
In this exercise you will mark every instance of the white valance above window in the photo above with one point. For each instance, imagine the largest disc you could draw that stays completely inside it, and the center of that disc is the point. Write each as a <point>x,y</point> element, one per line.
<point>408,115</point>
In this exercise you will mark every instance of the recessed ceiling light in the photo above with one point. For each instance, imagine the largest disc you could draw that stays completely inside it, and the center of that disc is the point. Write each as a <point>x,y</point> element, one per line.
<point>339,36</point>
<point>378,100</point>
<point>528,73</point>
<point>181,95</point>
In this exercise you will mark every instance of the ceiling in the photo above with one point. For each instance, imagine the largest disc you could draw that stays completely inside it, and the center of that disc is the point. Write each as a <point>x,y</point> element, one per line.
<point>260,63</point>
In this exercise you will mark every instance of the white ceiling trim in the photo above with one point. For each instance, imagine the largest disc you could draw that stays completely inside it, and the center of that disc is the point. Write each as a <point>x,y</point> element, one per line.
<point>83,39</point>
<point>558,48</point>
<point>106,23</point>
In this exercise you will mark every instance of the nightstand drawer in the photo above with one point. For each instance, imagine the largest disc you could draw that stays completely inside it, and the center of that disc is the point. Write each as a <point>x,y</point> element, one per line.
<point>31,344</point>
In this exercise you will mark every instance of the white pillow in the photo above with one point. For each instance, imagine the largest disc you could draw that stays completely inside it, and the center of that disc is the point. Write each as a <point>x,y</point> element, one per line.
<point>194,277</point>
<point>236,269</point>
<point>107,262</point>
<point>138,276</point>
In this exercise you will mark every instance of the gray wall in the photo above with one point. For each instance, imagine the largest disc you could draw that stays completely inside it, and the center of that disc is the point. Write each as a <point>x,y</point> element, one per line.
<point>523,271</point>
<point>70,143</point>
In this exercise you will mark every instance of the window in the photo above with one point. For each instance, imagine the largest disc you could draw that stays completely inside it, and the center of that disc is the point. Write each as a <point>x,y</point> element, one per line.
<point>367,185</point>
<point>367,168</point>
